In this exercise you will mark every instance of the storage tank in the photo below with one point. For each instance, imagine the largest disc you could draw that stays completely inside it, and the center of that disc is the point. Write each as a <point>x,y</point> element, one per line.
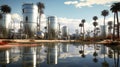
<point>52,27</point>
<point>65,32</point>
<point>5,24</point>
<point>30,18</point>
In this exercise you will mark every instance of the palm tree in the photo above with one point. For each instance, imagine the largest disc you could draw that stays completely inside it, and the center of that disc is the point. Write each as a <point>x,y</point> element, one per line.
<point>83,21</point>
<point>104,13</point>
<point>97,30</point>
<point>81,25</point>
<point>95,24</point>
<point>95,18</point>
<point>40,11</point>
<point>5,9</point>
<point>115,7</point>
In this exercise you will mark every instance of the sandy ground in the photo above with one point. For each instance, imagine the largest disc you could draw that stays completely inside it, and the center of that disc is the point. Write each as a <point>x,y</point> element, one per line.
<point>32,40</point>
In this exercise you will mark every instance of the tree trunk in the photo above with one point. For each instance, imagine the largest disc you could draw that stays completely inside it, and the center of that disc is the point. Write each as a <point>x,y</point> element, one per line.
<point>117,25</point>
<point>40,23</point>
<point>83,31</point>
<point>104,28</point>
<point>94,33</point>
<point>114,28</point>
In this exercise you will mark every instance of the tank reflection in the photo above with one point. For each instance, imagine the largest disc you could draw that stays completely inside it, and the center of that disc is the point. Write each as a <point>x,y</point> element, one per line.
<point>65,47</point>
<point>4,58</point>
<point>29,57</point>
<point>52,53</point>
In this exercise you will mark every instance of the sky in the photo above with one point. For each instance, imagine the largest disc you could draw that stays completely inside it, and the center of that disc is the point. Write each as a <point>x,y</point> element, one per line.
<point>68,12</point>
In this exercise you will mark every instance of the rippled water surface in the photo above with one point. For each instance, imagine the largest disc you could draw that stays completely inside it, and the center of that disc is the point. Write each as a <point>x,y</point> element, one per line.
<point>60,55</point>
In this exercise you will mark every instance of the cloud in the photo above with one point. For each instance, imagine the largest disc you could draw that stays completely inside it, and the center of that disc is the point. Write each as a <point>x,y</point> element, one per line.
<point>16,19</point>
<point>70,2</point>
<point>72,24</point>
<point>89,3</point>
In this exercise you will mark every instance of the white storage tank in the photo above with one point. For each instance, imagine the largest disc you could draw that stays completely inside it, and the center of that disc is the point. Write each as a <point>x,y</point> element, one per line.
<point>30,18</point>
<point>52,27</point>
<point>65,31</point>
<point>5,24</point>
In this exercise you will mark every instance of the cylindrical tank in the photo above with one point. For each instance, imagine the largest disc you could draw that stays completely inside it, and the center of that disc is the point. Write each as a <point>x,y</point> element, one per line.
<point>52,27</point>
<point>5,24</point>
<point>30,18</point>
<point>64,31</point>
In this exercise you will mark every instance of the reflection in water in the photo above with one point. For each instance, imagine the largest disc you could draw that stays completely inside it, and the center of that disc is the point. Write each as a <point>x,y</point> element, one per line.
<point>58,55</point>
<point>4,58</point>
<point>65,47</point>
<point>52,53</point>
<point>104,49</point>
<point>82,51</point>
<point>116,57</point>
<point>95,54</point>
<point>29,57</point>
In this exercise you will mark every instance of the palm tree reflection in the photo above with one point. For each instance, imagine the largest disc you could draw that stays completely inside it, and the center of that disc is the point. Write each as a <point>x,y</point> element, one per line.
<point>95,54</point>
<point>82,51</point>
<point>116,57</point>
<point>110,54</point>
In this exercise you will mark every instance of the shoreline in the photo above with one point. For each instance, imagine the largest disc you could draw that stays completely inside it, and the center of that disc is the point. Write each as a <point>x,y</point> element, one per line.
<point>56,41</point>
<point>43,41</point>
<point>40,41</point>
<point>8,43</point>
